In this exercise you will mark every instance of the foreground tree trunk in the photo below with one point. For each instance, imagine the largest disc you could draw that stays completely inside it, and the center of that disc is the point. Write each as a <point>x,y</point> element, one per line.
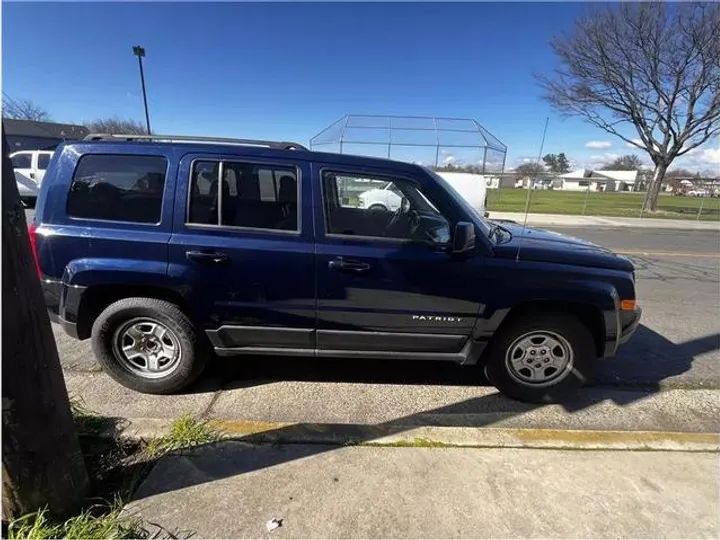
<point>650,202</point>
<point>42,464</point>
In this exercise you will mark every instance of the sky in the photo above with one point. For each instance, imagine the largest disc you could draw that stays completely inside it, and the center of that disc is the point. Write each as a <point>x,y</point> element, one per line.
<point>286,71</point>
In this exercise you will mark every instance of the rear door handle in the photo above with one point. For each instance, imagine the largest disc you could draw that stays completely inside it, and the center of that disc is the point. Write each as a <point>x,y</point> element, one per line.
<point>346,265</point>
<point>209,257</point>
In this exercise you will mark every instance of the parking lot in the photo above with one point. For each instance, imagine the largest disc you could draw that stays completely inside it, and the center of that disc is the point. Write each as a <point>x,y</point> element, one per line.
<point>676,348</point>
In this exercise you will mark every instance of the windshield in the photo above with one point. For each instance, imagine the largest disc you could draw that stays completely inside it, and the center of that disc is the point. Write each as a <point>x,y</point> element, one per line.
<point>471,210</point>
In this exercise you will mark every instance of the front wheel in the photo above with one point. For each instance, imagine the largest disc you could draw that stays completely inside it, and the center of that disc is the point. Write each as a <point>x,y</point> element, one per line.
<point>541,358</point>
<point>148,345</point>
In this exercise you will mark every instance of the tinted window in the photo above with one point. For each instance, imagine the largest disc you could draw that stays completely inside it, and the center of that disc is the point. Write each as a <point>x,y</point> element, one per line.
<point>254,196</point>
<point>22,161</point>
<point>43,160</point>
<point>358,205</point>
<point>118,188</point>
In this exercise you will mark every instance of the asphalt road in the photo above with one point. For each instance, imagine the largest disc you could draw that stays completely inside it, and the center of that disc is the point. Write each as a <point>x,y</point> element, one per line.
<point>677,345</point>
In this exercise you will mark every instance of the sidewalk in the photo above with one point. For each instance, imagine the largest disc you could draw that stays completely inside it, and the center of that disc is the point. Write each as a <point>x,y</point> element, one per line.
<point>560,220</point>
<point>231,490</point>
<point>339,460</point>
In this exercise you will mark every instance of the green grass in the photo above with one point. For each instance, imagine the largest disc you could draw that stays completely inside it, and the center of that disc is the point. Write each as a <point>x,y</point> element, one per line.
<point>98,521</point>
<point>601,204</point>
<point>185,432</point>
<point>106,520</point>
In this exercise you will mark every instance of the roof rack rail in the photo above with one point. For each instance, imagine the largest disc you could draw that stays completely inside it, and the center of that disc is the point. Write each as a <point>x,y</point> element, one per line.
<point>282,145</point>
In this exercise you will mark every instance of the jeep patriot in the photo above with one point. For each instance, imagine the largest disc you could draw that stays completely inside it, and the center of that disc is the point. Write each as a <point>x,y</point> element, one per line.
<point>167,251</point>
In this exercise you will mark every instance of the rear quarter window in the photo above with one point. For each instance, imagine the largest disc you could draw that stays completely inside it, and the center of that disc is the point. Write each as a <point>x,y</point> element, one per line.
<point>118,188</point>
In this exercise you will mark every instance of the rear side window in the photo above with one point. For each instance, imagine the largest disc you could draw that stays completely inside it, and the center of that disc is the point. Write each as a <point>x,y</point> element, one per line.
<point>253,196</point>
<point>118,188</point>
<point>43,160</point>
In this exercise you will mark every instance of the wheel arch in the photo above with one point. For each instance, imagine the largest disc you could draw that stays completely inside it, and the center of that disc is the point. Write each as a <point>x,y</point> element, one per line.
<point>96,298</point>
<point>589,315</point>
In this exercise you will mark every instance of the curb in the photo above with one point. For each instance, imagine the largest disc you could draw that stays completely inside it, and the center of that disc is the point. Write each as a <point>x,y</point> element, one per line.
<point>394,435</point>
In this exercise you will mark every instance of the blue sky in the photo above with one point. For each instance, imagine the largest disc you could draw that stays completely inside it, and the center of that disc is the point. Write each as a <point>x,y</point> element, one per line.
<point>286,71</point>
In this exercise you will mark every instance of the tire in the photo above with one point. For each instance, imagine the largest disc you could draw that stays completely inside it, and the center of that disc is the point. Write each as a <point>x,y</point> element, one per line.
<point>114,329</point>
<point>567,331</point>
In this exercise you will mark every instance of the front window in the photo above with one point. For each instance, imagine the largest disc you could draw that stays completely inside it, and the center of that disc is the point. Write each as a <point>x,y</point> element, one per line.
<point>22,161</point>
<point>362,206</point>
<point>470,210</point>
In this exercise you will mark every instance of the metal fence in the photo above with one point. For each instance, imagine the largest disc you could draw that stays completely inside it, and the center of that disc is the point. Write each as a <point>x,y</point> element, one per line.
<point>603,203</point>
<point>430,141</point>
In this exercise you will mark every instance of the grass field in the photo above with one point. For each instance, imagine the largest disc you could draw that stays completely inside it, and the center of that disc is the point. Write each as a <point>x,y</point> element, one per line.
<point>601,204</point>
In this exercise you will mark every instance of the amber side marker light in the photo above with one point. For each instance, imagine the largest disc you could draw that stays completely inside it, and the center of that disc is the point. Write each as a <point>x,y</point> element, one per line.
<point>627,305</point>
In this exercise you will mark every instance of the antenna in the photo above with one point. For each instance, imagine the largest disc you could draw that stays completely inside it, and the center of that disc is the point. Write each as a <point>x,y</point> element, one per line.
<point>527,199</point>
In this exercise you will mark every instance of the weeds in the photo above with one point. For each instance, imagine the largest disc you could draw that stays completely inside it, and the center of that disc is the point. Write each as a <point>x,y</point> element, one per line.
<point>117,467</point>
<point>185,432</point>
<point>98,521</point>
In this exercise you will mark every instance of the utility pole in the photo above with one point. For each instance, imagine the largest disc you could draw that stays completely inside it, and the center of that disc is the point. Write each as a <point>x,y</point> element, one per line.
<point>42,463</point>
<point>140,53</point>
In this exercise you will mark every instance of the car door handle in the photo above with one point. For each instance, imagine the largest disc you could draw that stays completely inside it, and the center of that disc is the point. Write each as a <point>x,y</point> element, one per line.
<point>212,257</point>
<point>32,176</point>
<point>345,265</point>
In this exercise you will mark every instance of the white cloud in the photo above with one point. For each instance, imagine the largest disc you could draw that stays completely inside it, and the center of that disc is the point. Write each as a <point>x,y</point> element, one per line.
<point>448,159</point>
<point>701,160</point>
<point>598,144</point>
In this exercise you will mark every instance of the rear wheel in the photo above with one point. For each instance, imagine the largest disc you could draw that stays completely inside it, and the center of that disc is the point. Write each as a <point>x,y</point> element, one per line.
<point>541,358</point>
<point>148,345</point>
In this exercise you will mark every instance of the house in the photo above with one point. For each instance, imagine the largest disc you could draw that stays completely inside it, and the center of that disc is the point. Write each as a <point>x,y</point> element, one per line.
<point>32,135</point>
<point>583,179</point>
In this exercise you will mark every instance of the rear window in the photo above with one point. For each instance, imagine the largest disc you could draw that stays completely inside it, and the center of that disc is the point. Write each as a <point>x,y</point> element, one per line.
<point>118,188</point>
<point>43,160</point>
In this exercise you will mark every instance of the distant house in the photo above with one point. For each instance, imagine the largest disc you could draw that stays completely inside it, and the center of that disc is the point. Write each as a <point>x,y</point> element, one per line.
<point>583,179</point>
<point>31,135</point>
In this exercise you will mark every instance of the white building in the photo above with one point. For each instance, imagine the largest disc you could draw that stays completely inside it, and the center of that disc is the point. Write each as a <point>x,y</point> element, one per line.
<point>583,179</point>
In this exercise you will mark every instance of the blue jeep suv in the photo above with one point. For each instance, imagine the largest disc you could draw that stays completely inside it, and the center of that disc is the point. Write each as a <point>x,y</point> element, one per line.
<point>167,251</point>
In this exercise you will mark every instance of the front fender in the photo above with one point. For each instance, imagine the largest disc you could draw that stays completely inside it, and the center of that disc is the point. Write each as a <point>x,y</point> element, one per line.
<point>581,294</point>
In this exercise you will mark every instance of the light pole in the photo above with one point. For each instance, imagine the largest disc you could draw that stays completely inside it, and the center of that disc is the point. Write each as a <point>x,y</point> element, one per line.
<point>140,53</point>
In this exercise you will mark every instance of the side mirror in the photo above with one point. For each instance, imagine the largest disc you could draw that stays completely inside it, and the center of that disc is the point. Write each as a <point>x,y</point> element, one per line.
<point>464,237</point>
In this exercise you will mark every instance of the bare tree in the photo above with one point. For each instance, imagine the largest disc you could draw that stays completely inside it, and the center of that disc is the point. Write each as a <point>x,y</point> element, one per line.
<point>117,125</point>
<point>655,66</point>
<point>630,162</point>
<point>23,109</point>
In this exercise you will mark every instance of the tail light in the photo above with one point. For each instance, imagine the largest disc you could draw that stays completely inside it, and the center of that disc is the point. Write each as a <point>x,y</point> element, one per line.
<point>32,233</point>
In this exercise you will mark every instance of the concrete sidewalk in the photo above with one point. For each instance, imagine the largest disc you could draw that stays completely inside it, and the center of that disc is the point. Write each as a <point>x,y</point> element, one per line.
<point>561,220</point>
<point>231,490</point>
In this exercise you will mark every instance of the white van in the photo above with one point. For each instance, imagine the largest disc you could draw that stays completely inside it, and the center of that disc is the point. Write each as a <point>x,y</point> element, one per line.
<point>471,186</point>
<point>29,167</point>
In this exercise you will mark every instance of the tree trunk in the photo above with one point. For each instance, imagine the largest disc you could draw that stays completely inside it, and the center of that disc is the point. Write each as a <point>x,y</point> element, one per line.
<point>42,463</point>
<point>653,191</point>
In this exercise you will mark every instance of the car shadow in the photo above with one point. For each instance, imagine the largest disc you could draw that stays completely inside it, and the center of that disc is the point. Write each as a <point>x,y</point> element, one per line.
<point>644,363</point>
<point>637,373</point>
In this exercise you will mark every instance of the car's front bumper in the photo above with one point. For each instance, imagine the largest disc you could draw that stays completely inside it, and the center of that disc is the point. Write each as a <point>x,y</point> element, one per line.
<point>630,322</point>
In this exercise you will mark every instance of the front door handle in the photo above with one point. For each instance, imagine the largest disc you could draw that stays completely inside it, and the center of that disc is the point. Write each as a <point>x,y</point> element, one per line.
<point>211,257</point>
<point>346,265</point>
<point>32,176</point>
